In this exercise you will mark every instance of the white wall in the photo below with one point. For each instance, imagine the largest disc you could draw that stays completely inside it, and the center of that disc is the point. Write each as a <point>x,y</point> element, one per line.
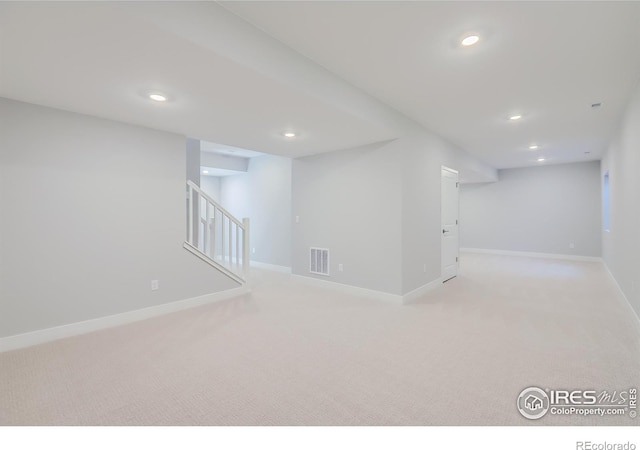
<point>423,155</point>
<point>91,212</point>
<point>193,160</point>
<point>193,174</point>
<point>535,209</point>
<point>349,202</point>
<point>621,246</point>
<point>263,195</point>
<point>211,186</point>
<point>377,208</point>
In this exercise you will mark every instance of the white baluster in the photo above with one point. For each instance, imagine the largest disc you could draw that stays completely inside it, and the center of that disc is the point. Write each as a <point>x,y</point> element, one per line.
<point>190,218</point>
<point>230,244</point>
<point>245,248</point>
<point>213,241</point>
<point>237,248</point>
<point>207,230</point>
<point>222,237</point>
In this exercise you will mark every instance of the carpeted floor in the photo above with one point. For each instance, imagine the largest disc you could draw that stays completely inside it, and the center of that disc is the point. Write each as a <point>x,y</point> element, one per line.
<point>290,354</point>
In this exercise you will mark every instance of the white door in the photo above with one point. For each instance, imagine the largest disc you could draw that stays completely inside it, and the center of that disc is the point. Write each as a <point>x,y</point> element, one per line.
<point>449,214</point>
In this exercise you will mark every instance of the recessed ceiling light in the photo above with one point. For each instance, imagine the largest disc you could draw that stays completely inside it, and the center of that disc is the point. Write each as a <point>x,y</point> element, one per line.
<point>540,159</point>
<point>533,147</point>
<point>515,117</point>
<point>157,97</point>
<point>289,134</point>
<point>205,172</point>
<point>470,40</point>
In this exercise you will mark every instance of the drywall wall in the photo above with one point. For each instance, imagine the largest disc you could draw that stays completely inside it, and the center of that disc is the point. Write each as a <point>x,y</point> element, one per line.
<point>621,245</point>
<point>423,155</point>
<point>96,211</point>
<point>211,186</point>
<point>349,202</point>
<point>193,174</point>
<point>377,208</point>
<point>263,195</point>
<point>540,209</point>
<point>193,160</point>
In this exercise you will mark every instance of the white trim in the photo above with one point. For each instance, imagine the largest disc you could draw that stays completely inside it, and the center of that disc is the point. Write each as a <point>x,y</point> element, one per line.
<point>353,290</point>
<point>370,293</point>
<point>216,265</point>
<point>532,254</point>
<point>613,279</point>
<point>73,329</point>
<point>449,169</point>
<point>422,290</point>
<point>273,267</point>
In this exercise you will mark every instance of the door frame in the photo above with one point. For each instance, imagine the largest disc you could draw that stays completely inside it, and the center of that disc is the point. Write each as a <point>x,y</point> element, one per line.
<point>442,236</point>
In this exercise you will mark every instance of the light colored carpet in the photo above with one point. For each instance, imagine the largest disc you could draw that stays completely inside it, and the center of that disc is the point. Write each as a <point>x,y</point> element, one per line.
<point>290,354</point>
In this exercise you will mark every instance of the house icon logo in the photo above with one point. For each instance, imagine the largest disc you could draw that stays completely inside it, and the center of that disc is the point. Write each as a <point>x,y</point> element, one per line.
<point>533,403</point>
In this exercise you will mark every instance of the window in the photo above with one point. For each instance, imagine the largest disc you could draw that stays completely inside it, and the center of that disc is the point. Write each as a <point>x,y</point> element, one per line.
<point>606,203</point>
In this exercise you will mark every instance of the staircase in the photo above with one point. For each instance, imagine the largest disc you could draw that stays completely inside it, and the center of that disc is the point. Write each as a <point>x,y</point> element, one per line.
<point>215,236</point>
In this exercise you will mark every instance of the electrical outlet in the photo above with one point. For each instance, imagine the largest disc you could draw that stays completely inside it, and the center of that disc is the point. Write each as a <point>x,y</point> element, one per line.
<point>572,245</point>
<point>297,219</point>
<point>340,268</point>
<point>154,285</point>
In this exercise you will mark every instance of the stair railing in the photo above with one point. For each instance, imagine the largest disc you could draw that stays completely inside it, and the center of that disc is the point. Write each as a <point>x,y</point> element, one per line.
<point>216,236</point>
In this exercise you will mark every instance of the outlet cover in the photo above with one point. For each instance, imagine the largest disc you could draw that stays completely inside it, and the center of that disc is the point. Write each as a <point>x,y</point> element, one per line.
<point>154,285</point>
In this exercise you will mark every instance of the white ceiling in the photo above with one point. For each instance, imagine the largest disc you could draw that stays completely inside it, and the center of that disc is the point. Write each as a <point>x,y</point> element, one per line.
<point>101,58</point>
<point>548,61</point>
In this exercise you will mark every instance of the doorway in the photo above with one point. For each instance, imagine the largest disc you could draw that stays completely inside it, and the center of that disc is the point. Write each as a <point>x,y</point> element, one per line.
<point>449,218</point>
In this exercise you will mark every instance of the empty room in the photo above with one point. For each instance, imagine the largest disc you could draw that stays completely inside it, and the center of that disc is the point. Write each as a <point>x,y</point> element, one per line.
<point>319,213</point>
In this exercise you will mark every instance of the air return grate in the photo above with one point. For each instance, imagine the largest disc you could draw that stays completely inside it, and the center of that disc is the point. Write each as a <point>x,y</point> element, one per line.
<point>319,261</point>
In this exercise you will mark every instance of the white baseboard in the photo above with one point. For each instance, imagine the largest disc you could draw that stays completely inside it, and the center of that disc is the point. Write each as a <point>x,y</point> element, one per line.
<point>273,267</point>
<point>633,311</point>
<point>370,293</point>
<point>419,292</point>
<point>73,329</point>
<point>352,290</point>
<point>533,254</point>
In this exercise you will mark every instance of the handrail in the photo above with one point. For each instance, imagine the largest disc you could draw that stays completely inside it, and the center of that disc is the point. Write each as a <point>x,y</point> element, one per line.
<point>204,195</point>
<point>212,235</point>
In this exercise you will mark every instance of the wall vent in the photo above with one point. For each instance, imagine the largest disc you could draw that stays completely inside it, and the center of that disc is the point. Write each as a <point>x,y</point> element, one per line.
<point>319,261</point>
